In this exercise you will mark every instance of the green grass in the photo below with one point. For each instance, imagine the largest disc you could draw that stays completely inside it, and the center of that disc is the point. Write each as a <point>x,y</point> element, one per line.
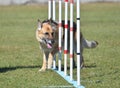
<point>20,57</point>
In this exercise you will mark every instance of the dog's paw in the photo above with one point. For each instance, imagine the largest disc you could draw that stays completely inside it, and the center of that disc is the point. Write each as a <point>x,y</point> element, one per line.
<point>41,70</point>
<point>49,68</point>
<point>96,43</point>
<point>82,66</point>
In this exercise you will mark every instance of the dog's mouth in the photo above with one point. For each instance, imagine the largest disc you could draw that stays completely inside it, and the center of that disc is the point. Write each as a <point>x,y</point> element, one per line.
<point>49,43</point>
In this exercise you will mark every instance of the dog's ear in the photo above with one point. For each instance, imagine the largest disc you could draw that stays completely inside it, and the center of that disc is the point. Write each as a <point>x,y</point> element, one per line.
<point>39,24</point>
<point>50,20</point>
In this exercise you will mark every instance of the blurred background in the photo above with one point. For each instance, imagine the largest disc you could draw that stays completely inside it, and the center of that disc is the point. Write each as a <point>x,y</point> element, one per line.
<point>11,2</point>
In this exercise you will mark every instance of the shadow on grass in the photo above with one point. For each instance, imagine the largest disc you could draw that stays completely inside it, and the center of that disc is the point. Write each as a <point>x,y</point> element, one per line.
<point>5,69</point>
<point>90,66</point>
<point>62,68</point>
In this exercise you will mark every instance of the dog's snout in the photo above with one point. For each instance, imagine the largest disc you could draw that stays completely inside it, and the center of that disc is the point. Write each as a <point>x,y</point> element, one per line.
<point>52,41</point>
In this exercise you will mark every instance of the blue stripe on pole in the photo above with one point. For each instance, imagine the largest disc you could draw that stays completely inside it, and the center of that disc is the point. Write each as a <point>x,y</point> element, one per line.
<point>78,18</point>
<point>78,53</point>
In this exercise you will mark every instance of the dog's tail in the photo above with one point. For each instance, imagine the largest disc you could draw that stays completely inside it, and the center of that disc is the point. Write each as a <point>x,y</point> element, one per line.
<point>89,44</point>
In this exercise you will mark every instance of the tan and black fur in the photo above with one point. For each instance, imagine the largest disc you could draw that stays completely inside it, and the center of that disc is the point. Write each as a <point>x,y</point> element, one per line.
<point>47,36</point>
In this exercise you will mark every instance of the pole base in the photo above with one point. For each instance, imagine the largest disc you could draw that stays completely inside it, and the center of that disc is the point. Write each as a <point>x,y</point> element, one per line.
<point>67,78</point>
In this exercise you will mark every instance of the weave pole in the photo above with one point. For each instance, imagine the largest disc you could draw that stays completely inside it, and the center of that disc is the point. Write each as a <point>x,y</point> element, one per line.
<point>49,9</point>
<point>60,35</point>
<point>78,41</point>
<point>52,14</point>
<point>71,40</point>
<point>54,17</point>
<point>65,38</point>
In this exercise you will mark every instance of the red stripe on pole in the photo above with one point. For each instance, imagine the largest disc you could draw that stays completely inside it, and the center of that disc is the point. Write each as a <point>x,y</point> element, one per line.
<point>71,1</point>
<point>66,25</point>
<point>71,55</point>
<point>66,0</point>
<point>60,48</point>
<point>71,29</point>
<point>65,51</point>
<point>60,24</point>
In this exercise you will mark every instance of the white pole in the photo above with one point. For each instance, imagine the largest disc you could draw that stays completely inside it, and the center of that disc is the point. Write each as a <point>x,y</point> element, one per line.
<point>60,35</point>
<point>78,41</point>
<point>65,38</point>
<point>71,40</point>
<point>49,9</point>
<point>53,17</point>
<point>54,12</point>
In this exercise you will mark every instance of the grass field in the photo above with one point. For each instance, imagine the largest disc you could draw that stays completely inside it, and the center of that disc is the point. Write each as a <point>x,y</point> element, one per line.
<point>20,57</point>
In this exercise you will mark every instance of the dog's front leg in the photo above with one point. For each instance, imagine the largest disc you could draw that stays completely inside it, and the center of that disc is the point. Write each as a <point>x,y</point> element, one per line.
<point>50,60</point>
<point>45,61</point>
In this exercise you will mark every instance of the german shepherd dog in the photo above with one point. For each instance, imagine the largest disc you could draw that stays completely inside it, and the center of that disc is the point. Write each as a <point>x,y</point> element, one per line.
<point>47,36</point>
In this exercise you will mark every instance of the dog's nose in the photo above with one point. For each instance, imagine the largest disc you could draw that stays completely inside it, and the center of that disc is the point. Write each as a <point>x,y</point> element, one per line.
<point>52,41</point>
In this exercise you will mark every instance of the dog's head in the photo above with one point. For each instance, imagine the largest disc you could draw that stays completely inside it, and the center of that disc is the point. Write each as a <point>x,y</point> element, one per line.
<point>47,32</point>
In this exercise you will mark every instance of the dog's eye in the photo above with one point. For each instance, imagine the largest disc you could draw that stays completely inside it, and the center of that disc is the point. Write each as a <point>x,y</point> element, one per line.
<point>46,33</point>
<point>52,33</point>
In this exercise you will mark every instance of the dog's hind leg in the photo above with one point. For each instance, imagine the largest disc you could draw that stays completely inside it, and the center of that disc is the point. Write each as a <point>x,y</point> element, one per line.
<point>81,61</point>
<point>74,64</point>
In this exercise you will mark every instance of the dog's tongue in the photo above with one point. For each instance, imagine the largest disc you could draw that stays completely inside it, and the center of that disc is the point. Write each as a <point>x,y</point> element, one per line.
<point>49,46</point>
